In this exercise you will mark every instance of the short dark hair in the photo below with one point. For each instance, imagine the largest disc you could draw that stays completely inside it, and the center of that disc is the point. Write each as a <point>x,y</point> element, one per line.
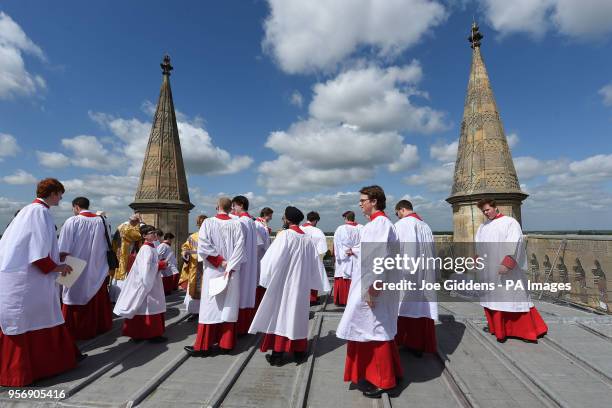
<point>481,203</point>
<point>313,216</point>
<point>168,235</point>
<point>145,229</point>
<point>403,204</point>
<point>159,232</point>
<point>200,219</point>
<point>266,211</point>
<point>48,186</point>
<point>349,215</point>
<point>82,202</point>
<point>242,201</point>
<point>375,193</point>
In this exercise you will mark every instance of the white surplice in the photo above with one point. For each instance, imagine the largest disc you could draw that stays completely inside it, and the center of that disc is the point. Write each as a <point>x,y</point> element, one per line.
<point>497,239</point>
<point>320,243</point>
<point>263,242</point>
<point>222,237</point>
<point>29,299</point>
<point>289,270</point>
<point>84,236</point>
<point>165,252</point>
<point>346,237</point>
<point>417,241</point>
<point>248,268</point>
<point>359,321</point>
<point>143,291</point>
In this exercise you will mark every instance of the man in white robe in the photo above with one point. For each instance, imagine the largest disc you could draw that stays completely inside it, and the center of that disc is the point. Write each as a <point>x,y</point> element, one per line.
<point>263,243</point>
<point>318,238</point>
<point>86,305</point>
<point>221,246</point>
<point>166,253</point>
<point>418,309</point>
<point>34,341</point>
<point>142,302</point>
<point>369,321</point>
<point>346,242</point>
<point>509,312</point>
<point>248,269</point>
<point>289,271</point>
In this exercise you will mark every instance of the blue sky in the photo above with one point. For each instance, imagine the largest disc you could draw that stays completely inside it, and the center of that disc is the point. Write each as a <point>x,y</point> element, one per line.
<point>305,102</point>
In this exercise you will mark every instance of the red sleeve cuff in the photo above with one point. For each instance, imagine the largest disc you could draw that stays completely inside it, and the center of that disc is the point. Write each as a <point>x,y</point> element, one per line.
<point>508,262</point>
<point>215,260</point>
<point>46,265</point>
<point>162,265</point>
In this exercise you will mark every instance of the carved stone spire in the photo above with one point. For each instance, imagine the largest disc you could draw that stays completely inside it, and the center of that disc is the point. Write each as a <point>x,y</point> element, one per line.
<point>484,166</point>
<point>162,196</point>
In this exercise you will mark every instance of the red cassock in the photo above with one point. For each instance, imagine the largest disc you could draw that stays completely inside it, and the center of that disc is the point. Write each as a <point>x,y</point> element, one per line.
<point>259,294</point>
<point>525,325</point>
<point>341,291</point>
<point>282,344</point>
<point>27,357</point>
<point>144,326</point>
<point>378,362</point>
<point>314,296</point>
<point>417,334</point>
<point>245,318</point>
<point>169,284</point>
<point>90,320</point>
<point>222,334</point>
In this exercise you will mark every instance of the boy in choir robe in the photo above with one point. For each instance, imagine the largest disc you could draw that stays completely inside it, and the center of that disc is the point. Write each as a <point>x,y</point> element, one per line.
<point>129,237</point>
<point>34,341</point>
<point>346,242</point>
<point>318,238</point>
<point>191,275</point>
<point>221,246</point>
<point>86,305</point>
<point>263,243</point>
<point>369,321</point>
<point>142,302</point>
<point>165,253</point>
<point>509,313</point>
<point>248,269</point>
<point>289,270</point>
<point>418,309</point>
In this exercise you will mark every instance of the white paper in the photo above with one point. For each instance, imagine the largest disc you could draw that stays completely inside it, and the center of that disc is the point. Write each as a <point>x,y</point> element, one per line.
<point>217,285</point>
<point>77,265</point>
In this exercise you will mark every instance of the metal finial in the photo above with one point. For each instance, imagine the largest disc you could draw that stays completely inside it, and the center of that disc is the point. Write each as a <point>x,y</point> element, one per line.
<point>475,36</point>
<point>165,65</point>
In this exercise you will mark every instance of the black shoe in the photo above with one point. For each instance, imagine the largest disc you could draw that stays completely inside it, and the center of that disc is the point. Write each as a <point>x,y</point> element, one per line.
<point>502,340</point>
<point>299,356</point>
<point>193,317</point>
<point>486,329</point>
<point>275,359</point>
<point>375,393</point>
<point>158,339</point>
<point>530,341</point>
<point>195,353</point>
<point>81,357</point>
<point>414,352</point>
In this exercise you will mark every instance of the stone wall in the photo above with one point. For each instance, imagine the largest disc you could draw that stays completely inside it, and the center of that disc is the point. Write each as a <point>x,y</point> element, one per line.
<point>585,261</point>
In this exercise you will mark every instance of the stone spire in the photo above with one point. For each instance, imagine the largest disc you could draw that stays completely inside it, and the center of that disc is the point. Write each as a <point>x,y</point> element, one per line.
<point>162,196</point>
<point>484,166</point>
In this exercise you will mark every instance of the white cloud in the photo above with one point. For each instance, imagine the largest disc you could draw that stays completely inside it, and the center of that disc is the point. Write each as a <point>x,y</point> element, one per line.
<point>314,155</point>
<point>513,139</point>
<point>199,154</point>
<point>15,79</point>
<point>408,159</point>
<point>437,179</point>
<point>89,153</point>
<point>20,177</point>
<point>446,153</point>
<point>8,146</point>
<point>53,160</point>
<point>606,94</point>
<point>296,99</point>
<point>376,99</point>
<point>585,19</point>
<point>317,35</point>
<point>528,167</point>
